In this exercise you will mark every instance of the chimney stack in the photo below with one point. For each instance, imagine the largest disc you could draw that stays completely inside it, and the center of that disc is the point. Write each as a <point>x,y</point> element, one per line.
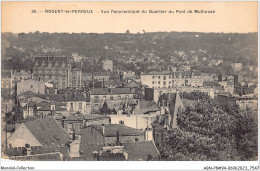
<point>103,132</point>
<point>117,138</point>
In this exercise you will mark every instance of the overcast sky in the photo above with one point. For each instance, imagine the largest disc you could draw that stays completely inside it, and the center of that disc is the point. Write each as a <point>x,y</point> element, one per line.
<point>228,17</point>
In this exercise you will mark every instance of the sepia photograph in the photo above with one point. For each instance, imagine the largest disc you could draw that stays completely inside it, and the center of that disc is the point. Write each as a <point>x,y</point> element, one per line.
<point>129,81</point>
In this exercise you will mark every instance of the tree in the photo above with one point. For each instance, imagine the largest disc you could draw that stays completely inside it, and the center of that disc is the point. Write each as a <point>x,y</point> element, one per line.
<point>105,110</point>
<point>211,132</point>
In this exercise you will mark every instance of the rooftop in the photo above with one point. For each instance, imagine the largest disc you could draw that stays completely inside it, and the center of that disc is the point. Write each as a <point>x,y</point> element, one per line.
<point>47,131</point>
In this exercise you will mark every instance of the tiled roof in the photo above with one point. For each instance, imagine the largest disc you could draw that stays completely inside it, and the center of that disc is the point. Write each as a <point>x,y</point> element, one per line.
<point>47,131</point>
<point>133,83</point>
<point>76,97</point>
<point>121,91</point>
<point>140,150</point>
<point>111,130</point>
<point>94,117</point>
<point>107,91</point>
<point>47,107</point>
<point>64,97</point>
<point>99,91</point>
<point>87,150</point>
<point>157,73</point>
<point>112,82</point>
<point>136,151</point>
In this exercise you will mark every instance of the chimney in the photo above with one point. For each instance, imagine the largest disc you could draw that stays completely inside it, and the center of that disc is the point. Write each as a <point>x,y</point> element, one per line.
<point>74,148</point>
<point>117,138</point>
<point>63,122</point>
<point>73,135</point>
<point>103,132</point>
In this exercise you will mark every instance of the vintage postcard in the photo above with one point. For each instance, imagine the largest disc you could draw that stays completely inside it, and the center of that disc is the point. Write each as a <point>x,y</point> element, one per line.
<point>129,81</point>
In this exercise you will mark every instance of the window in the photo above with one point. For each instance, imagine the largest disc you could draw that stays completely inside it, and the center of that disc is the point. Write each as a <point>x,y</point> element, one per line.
<point>96,99</point>
<point>169,82</point>
<point>153,82</point>
<point>70,127</point>
<point>31,86</point>
<point>164,82</point>
<point>121,122</point>
<point>164,77</point>
<point>111,97</point>
<point>159,82</point>
<point>80,106</point>
<point>170,77</point>
<point>153,77</point>
<point>159,77</point>
<point>136,139</point>
<point>71,106</point>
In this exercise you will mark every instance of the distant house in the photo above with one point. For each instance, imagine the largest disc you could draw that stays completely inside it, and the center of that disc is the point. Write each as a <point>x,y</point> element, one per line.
<point>237,66</point>
<point>157,79</point>
<point>108,65</point>
<point>74,102</point>
<point>110,95</point>
<point>39,132</point>
<point>247,101</point>
<point>137,87</point>
<point>127,75</point>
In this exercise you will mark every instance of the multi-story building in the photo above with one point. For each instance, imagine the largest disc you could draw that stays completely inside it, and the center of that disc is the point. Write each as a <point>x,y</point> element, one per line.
<point>189,80</point>
<point>100,76</point>
<point>59,69</point>
<point>168,80</point>
<point>52,68</point>
<point>157,80</point>
<point>75,75</point>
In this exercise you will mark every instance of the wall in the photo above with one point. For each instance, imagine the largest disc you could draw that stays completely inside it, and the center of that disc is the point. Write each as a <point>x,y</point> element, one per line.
<point>37,87</point>
<point>76,105</point>
<point>157,81</point>
<point>125,139</point>
<point>133,121</point>
<point>22,136</point>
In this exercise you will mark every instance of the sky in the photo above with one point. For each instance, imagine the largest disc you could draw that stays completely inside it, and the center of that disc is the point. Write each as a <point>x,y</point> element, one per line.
<point>241,17</point>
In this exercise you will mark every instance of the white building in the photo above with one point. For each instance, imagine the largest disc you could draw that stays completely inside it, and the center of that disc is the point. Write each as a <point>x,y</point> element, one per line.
<point>157,80</point>
<point>108,65</point>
